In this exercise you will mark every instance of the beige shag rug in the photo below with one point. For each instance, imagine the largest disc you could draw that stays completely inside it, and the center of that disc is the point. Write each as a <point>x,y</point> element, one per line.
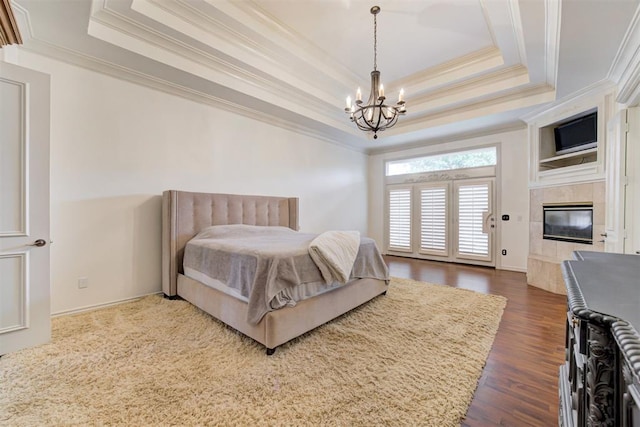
<point>412,357</point>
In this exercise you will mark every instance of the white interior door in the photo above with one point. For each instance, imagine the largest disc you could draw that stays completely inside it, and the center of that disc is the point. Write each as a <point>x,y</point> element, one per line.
<point>24,208</point>
<point>632,194</point>
<point>616,184</point>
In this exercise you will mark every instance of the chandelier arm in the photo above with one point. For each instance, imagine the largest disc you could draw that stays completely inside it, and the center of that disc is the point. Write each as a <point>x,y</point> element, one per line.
<point>393,120</point>
<point>380,114</point>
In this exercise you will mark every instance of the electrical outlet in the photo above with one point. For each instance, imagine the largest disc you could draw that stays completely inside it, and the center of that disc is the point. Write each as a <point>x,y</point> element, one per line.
<point>504,252</point>
<point>83,282</point>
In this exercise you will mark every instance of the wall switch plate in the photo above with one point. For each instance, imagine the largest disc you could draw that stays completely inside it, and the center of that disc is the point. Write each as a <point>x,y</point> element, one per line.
<point>83,282</point>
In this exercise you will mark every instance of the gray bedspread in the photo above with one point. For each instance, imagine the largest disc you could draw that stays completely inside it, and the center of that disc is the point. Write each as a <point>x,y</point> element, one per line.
<point>259,262</point>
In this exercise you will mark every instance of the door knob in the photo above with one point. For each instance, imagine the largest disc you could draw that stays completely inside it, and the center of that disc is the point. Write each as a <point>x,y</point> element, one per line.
<point>39,243</point>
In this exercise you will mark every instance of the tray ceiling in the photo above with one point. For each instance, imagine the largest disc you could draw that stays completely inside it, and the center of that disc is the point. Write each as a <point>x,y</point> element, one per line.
<point>467,66</point>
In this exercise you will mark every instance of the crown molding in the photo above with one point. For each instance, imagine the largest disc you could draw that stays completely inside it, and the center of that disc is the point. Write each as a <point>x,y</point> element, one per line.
<point>241,41</point>
<point>625,68</point>
<point>518,31</point>
<point>584,95</point>
<point>500,80</point>
<point>112,27</point>
<point>513,126</point>
<point>94,64</point>
<point>553,15</point>
<point>522,98</point>
<point>9,31</point>
<point>448,72</point>
<point>286,37</point>
<point>212,75</point>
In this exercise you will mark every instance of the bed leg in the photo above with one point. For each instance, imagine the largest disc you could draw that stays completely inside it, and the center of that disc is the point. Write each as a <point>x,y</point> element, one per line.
<point>270,351</point>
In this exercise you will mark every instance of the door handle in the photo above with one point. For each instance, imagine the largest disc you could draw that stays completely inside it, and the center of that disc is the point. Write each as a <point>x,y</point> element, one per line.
<point>487,222</point>
<point>39,243</point>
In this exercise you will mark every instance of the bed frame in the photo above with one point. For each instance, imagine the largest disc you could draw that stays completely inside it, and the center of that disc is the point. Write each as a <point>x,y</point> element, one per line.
<point>184,214</point>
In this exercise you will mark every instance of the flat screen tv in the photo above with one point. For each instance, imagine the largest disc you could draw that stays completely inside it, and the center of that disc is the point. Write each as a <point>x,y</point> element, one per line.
<point>577,135</point>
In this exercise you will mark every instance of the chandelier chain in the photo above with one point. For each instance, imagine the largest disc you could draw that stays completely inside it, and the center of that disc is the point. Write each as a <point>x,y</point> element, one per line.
<point>375,43</point>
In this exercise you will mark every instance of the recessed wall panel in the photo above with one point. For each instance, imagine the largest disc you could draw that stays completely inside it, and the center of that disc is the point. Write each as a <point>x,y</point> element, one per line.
<point>12,159</point>
<point>13,292</point>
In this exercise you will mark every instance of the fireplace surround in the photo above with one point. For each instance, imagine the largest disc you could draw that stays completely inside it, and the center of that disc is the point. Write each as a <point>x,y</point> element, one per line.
<point>546,255</point>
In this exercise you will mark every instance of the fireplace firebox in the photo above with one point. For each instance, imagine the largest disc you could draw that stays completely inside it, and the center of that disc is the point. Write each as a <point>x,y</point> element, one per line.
<point>568,222</point>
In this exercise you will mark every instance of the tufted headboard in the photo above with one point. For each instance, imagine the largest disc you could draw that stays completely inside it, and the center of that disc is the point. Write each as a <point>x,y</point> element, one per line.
<point>185,213</point>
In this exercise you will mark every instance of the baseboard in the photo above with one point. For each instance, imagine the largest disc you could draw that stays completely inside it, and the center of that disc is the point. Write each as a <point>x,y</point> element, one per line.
<point>508,268</point>
<point>99,306</point>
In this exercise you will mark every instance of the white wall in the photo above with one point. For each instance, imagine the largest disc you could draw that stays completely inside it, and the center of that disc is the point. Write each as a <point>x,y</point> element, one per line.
<point>115,146</point>
<point>511,182</point>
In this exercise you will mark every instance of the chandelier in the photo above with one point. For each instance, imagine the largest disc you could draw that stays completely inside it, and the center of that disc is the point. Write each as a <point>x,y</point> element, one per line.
<point>375,116</point>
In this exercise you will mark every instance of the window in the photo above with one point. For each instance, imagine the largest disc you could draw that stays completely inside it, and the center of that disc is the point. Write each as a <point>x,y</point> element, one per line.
<point>458,160</point>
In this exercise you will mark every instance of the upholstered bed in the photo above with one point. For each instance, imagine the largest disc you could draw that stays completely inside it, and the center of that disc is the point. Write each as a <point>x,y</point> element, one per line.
<point>185,214</point>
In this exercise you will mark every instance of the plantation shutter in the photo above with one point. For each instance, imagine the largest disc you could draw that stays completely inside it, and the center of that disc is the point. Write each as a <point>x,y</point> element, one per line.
<point>433,220</point>
<point>473,204</point>
<point>400,219</point>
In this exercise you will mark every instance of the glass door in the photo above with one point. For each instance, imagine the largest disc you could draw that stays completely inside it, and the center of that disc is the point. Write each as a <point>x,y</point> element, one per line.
<point>445,220</point>
<point>474,220</point>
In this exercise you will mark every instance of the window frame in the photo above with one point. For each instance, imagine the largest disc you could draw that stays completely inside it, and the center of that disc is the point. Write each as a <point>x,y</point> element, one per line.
<point>441,154</point>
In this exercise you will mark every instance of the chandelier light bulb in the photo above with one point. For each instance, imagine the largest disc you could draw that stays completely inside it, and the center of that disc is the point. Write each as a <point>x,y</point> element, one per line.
<point>358,95</point>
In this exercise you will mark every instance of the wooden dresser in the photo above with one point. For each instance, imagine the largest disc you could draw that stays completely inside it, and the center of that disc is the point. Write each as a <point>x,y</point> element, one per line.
<point>599,383</point>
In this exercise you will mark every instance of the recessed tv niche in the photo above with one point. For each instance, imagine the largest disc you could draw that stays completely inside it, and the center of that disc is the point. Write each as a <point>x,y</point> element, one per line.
<point>577,135</point>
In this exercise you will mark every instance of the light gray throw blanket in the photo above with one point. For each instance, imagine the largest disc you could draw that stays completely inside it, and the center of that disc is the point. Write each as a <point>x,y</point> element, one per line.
<point>259,262</point>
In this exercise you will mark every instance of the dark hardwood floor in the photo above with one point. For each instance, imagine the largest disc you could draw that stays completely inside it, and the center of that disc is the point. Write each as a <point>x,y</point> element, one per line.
<point>519,384</point>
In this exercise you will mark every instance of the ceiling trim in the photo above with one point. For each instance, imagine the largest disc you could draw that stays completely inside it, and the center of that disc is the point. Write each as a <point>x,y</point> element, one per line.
<point>156,46</point>
<point>625,68</point>
<point>518,31</point>
<point>285,36</point>
<point>462,136</point>
<point>533,95</point>
<point>448,72</point>
<point>221,36</point>
<point>504,79</point>
<point>575,100</point>
<point>553,18</point>
<point>94,64</point>
<point>188,21</point>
